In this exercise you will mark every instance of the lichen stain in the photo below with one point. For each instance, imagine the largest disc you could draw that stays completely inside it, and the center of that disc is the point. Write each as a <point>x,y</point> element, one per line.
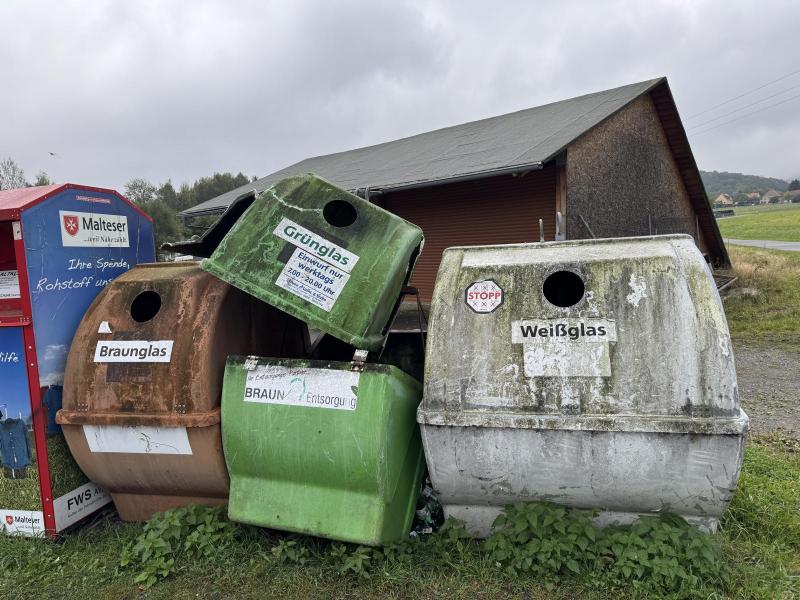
<point>638,291</point>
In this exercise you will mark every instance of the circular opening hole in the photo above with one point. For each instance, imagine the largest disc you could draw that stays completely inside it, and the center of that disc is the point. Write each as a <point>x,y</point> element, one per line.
<point>563,288</point>
<point>339,213</point>
<point>145,306</point>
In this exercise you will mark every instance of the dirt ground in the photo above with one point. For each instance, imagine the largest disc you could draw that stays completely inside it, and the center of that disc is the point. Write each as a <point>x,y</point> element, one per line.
<point>769,386</point>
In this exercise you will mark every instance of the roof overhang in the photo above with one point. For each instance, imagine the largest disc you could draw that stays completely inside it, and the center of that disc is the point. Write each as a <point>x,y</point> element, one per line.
<point>687,167</point>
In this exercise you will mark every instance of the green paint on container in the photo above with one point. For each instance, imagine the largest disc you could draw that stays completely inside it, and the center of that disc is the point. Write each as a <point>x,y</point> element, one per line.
<point>315,447</point>
<point>323,255</point>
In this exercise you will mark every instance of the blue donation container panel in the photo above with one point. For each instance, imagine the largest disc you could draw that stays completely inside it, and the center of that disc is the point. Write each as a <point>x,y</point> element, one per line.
<point>60,245</point>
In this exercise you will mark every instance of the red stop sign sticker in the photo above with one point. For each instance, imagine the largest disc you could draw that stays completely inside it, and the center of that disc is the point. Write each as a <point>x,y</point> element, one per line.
<point>484,296</point>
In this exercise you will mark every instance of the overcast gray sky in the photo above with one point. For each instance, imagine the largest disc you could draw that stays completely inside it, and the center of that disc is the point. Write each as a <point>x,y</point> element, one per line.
<point>180,89</point>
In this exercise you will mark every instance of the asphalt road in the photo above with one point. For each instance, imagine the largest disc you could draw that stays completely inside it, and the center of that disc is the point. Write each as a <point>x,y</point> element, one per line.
<point>768,244</point>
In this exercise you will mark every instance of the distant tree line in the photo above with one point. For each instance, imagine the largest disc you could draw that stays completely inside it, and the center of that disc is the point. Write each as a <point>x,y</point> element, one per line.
<point>12,176</point>
<point>722,182</point>
<point>163,202</point>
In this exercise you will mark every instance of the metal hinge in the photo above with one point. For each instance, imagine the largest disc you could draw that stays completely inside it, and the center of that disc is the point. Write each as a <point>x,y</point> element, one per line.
<point>359,358</point>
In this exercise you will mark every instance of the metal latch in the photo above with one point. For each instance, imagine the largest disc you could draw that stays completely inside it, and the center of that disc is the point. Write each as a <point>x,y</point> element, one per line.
<point>359,358</point>
<point>250,363</point>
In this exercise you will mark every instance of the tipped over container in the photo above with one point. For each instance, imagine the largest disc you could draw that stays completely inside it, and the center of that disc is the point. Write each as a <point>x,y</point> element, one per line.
<point>322,255</point>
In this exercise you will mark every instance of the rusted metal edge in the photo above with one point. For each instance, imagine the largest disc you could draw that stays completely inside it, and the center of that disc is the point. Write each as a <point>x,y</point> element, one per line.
<point>200,419</point>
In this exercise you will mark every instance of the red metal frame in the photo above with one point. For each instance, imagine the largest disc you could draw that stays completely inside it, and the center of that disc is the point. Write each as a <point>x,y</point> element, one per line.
<point>32,366</point>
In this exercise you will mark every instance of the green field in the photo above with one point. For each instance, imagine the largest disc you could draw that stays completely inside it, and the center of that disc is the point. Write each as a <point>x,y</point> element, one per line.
<point>772,313</point>
<point>779,222</point>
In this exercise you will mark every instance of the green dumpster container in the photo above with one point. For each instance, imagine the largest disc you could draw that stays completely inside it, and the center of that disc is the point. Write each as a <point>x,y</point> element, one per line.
<point>323,255</point>
<point>330,449</point>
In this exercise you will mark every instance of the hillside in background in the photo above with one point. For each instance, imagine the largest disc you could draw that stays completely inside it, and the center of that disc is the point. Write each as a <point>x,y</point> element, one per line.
<point>718,182</point>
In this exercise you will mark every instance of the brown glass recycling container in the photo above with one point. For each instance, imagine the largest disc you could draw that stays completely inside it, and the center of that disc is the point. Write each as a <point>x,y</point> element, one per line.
<point>143,381</point>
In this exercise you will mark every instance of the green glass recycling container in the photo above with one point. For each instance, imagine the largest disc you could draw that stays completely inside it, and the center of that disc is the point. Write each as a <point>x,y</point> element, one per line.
<point>322,448</point>
<point>322,255</point>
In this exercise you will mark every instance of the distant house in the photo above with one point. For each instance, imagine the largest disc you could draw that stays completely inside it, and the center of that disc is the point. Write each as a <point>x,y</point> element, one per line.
<point>723,199</point>
<point>615,163</point>
<point>754,195</point>
<point>769,196</point>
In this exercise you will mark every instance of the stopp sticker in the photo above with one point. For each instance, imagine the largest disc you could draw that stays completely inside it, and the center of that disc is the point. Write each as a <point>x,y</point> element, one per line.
<point>484,296</point>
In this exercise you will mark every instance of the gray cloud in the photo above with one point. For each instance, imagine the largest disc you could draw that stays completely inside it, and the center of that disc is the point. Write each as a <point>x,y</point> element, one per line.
<point>180,89</point>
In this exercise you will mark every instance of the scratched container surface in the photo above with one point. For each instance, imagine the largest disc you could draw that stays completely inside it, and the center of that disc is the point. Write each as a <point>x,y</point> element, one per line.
<point>323,255</point>
<point>595,374</point>
<point>319,448</point>
<point>143,383</point>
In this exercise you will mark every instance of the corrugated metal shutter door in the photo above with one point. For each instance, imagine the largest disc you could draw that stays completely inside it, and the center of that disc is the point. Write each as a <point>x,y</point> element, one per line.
<point>497,210</point>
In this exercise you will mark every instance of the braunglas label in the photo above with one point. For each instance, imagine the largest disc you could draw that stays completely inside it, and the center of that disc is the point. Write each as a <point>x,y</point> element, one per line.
<point>316,245</point>
<point>81,229</point>
<point>312,388</point>
<point>137,439</point>
<point>133,351</point>
<point>9,285</point>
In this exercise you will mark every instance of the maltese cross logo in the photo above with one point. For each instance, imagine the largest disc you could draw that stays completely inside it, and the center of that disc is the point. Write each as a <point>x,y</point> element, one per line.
<point>71,224</point>
<point>9,520</point>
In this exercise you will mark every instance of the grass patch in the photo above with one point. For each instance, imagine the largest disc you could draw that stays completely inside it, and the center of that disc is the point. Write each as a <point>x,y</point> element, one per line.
<point>23,493</point>
<point>65,475</point>
<point>779,222</point>
<point>773,309</point>
<point>760,543</point>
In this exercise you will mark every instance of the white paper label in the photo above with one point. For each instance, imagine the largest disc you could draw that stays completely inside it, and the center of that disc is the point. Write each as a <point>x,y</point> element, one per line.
<point>9,285</point>
<point>23,522</point>
<point>314,388</point>
<point>316,245</point>
<point>134,439</point>
<point>133,351</point>
<point>572,347</point>
<point>312,279</point>
<point>97,230</point>
<point>104,327</point>
<point>79,503</point>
